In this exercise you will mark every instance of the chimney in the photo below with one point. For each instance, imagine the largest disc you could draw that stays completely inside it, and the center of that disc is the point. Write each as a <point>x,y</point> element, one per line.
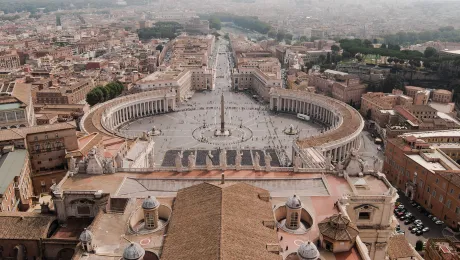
<point>222,179</point>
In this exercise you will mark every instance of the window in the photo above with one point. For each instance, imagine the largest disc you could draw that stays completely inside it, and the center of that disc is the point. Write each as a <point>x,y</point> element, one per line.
<point>457,210</point>
<point>46,137</point>
<point>294,219</point>
<point>434,193</point>
<point>448,203</point>
<point>441,198</point>
<point>451,191</point>
<point>364,215</point>
<point>437,180</point>
<point>428,190</point>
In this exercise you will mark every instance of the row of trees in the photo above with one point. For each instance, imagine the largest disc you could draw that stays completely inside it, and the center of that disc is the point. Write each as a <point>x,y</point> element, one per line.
<point>160,30</point>
<point>352,47</point>
<point>248,22</point>
<point>447,33</point>
<point>104,93</point>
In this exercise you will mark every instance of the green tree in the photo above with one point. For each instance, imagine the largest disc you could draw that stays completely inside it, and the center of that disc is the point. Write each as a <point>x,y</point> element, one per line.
<point>280,35</point>
<point>419,245</point>
<point>367,43</point>
<point>328,58</point>
<point>288,36</point>
<point>214,22</point>
<point>346,55</point>
<point>288,42</point>
<point>303,38</point>
<point>92,98</point>
<point>321,59</point>
<point>272,34</point>
<point>383,46</point>
<point>430,52</point>
<point>393,81</point>
<point>335,48</point>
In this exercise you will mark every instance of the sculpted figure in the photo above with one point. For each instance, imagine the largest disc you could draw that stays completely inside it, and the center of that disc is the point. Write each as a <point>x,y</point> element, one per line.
<point>178,161</point>
<point>191,161</point>
<point>256,160</point>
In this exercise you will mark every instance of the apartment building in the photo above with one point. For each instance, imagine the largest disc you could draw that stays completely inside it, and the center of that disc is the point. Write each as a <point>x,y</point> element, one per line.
<point>16,108</point>
<point>47,146</point>
<point>442,96</point>
<point>16,189</point>
<point>9,60</point>
<point>67,91</point>
<point>442,249</point>
<point>379,106</point>
<point>186,69</point>
<point>419,164</point>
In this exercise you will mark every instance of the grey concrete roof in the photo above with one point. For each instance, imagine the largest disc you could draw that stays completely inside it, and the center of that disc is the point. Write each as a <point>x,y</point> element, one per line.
<point>10,166</point>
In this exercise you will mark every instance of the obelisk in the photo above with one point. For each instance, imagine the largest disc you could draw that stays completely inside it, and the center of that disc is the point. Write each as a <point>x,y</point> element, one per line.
<point>222,116</point>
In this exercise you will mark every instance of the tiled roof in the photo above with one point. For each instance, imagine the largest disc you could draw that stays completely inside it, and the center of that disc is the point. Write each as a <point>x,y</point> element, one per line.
<point>220,222</point>
<point>22,225</point>
<point>398,247</point>
<point>20,133</point>
<point>339,228</point>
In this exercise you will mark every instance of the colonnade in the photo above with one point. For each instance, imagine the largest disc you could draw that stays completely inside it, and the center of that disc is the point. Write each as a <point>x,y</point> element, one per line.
<point>328,111</point>
<point>314,110</point>
<point>130,111</point>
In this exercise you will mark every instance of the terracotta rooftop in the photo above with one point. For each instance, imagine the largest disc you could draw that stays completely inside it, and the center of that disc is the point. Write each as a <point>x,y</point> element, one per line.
<point>398,247</point>
<point>22,225</point>
<point>220,222</point>
<point>19,133</point>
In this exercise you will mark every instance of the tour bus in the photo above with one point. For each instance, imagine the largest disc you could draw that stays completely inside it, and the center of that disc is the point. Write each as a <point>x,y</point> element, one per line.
<point>303,117</point>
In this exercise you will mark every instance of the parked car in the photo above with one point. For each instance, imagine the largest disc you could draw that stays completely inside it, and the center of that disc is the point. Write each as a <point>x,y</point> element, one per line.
<point>408,221</point>
<point>417,221</point>
<point>403,217</point>
<point>419,232</point>
<point>401,232</point>
<point>414,230</point>
<point>401,206</point>
<point>425,229</point>
<point>439,222</point>
<point>434,219</point>
<point>412,227</point>
<point>408,215</point>
<point>430,216</point>
<point>413,203</point>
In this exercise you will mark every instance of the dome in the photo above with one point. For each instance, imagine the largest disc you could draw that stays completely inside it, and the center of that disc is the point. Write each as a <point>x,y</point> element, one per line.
<point>338,227</point>
<point>308,251</point>
<point>294,202</point>
<point>133,252</point>
<point>150,203</point>
<point>86,236</point>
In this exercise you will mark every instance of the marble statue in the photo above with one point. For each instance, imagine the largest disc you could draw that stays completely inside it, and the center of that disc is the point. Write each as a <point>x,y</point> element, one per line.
<point>209,161</point>
<point>256,160</point>
<point>178,161</point>
<point>191,161</point>
<point>223,158</point>
<point>297,162</point>
<point>238,158</point>
<point>268,161</point>
<point>377,164</point>
<point>72,164</point>
<point>108,166</point>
